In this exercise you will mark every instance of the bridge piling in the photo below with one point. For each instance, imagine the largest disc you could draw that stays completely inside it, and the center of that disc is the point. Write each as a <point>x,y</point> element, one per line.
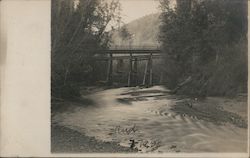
<point>110,70</point>
<point>145,73</point>
<point>161,78</point>
<point>136,71</point>
<point>130,70</point>
<point>150,70</point>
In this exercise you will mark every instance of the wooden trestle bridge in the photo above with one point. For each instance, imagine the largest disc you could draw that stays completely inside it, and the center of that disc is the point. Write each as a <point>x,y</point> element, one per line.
<point>133,54</point>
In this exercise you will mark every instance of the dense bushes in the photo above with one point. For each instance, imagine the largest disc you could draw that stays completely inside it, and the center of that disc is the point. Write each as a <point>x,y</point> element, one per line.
<point>208,43</point>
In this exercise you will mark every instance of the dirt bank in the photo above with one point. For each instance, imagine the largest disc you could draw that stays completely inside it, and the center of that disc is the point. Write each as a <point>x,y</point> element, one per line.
<point>67,140</point>
<point>213,110</point>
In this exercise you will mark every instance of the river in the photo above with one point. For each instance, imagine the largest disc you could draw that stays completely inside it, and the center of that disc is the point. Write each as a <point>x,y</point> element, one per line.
<point>143,118</point>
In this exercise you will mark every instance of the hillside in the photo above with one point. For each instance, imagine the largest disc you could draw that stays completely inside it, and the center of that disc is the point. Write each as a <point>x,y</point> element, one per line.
<point>144,30</point>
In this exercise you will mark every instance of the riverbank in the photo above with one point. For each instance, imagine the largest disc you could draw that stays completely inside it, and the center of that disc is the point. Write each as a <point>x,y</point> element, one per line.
<point>216,110</point>
<point>66,140</point>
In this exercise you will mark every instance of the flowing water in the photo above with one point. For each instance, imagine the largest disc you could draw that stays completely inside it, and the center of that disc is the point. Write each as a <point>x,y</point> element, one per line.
<point>143,119</point>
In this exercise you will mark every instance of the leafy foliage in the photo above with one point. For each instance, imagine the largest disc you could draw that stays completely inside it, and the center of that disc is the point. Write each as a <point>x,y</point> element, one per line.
<point>124,34</point>
<point>78,30</point>
<point>207,42</point>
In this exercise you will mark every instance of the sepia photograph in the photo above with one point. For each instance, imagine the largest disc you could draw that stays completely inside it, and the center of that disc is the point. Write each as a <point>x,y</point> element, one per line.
<point>149,76</point>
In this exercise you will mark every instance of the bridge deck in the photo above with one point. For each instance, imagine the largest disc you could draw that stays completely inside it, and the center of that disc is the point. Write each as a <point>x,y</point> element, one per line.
<point>139,57</point>
<point>134,51</point>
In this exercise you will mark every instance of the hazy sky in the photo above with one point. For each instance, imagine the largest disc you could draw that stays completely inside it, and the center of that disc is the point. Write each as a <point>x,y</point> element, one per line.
<point>134,9</point>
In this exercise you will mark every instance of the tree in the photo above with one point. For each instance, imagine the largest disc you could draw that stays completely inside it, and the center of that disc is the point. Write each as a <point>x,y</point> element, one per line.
<point>78,32</point>
<point>124,34</point>
<point>205,42</point>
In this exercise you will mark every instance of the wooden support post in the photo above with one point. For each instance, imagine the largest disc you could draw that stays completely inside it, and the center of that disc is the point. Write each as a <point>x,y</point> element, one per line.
<point>161,78</point>
<point>145,73</point>
<point>110,70</point>
<point>130,70</point>
<point>151,71</point>
<point>136,71</point>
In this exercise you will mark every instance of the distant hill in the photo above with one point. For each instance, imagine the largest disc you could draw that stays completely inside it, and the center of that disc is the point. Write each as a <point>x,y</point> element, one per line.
<point>144,30</point>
